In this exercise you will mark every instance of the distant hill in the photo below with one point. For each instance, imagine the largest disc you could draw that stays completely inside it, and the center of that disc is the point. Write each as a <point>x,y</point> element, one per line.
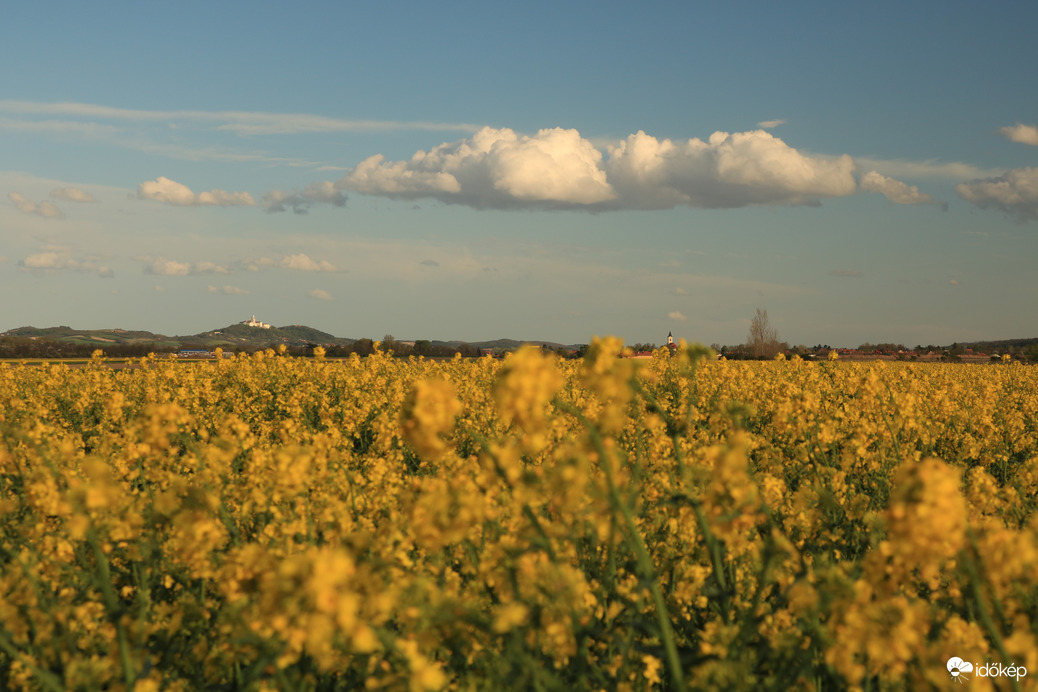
<point>242,335</point>
<point>63,340</point>
<point>229,337</point>
<point>1003,346</point>
<point>92,336</point>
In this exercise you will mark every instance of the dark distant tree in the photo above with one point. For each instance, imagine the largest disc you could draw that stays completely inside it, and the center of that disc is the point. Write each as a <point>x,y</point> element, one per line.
<point>763,339</point>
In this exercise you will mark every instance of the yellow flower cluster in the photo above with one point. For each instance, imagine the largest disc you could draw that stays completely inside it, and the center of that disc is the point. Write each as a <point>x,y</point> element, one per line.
<point>265,522</point>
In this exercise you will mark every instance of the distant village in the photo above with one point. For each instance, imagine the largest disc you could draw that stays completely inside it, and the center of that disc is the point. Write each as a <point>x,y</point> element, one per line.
<point>865,352</point>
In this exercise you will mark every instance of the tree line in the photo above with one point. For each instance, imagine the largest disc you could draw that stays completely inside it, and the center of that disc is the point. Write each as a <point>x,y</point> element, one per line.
<point>24,347</point>
<point>39,348</point>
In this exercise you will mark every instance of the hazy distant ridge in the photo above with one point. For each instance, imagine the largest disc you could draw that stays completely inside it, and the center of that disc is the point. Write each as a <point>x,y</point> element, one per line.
<point>235,335</point>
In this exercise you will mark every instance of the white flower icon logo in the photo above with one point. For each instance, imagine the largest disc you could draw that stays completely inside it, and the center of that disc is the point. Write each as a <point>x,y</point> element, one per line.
<point>956,666</point>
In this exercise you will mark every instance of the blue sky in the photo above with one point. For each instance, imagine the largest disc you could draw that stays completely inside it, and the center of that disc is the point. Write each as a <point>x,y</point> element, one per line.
<point>464,170</point>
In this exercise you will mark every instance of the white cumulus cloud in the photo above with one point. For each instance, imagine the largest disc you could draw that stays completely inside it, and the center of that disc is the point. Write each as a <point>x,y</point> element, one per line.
<point>1015,192</point>
<point>44,209</point>
<point>559,169</point>
<point>1024,134</point>
<point>894,190</point>
<point>171,192</point>
<point>303,262</point>
<point>301,201</point>
<point>726,171</point>
<point>495,168</point>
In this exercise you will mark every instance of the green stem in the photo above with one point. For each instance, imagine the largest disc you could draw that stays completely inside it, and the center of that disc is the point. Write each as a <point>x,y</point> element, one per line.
<point>104,578</point>
<point>982,609</point>
<point>645,564</point>
<point>47,679</point>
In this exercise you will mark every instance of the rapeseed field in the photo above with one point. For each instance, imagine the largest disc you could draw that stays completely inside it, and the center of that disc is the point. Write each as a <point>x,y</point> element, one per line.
<point>267,522</point>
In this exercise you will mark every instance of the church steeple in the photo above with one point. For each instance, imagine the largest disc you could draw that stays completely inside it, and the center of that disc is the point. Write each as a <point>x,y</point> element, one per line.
<point>670,339</point>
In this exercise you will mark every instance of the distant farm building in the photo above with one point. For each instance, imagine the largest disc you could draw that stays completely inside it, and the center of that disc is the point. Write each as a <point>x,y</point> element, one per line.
<point>195,353</point>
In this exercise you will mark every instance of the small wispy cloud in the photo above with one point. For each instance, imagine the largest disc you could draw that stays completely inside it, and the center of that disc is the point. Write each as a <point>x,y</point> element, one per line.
<point>319,294</point>
<point>1024,134</point>
<point>166,267</point>
<point>72,194</point>
<point>59,128</point>
<point>44,209</point>
<point>239,122</point>
<point>768,124</point>
<point>302,262</point>
<point>209,268</point>
<point>929,169</point>
<point>846,273</point>
<point>52,260</point>
<point>258,264</point>
<point>171,192</point>
<point>894,190</point>
<point>1015,192</point>
<point>227,290</point>
<point>301,201</point>
<point>676,316</point>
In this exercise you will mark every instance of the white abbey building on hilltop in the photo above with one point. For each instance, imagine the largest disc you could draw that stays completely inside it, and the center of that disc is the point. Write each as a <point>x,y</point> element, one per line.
<point>255,323</point>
